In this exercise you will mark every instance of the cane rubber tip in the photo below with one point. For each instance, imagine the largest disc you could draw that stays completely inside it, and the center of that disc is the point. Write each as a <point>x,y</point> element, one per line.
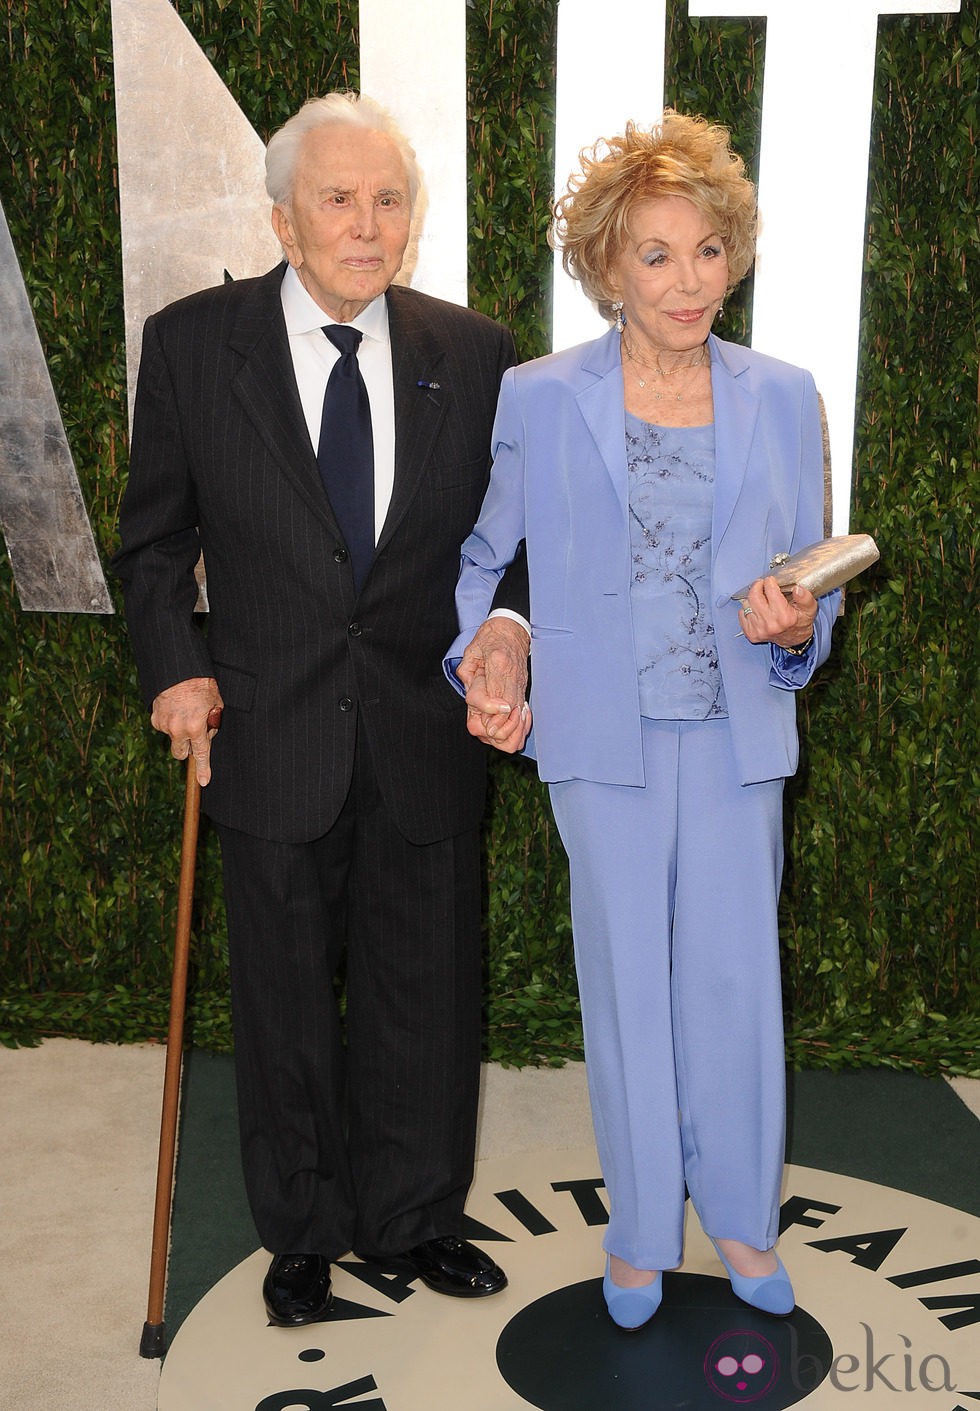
<point>153,1343</point>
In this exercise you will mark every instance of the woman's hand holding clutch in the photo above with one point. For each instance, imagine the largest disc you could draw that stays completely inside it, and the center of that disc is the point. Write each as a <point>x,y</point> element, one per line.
<point>768,615</point>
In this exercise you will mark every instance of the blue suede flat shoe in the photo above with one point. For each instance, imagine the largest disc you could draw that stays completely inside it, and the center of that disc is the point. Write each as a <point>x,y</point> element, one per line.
<point>631,1308</point>
<point>770,1293</point>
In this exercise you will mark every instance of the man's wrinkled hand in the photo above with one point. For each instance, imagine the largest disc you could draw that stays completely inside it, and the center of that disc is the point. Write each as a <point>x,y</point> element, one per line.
<point>494,671</point>
<point>190,713</point>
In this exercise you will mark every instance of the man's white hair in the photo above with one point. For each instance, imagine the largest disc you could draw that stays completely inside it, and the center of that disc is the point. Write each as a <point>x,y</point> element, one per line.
<point>350,109</point>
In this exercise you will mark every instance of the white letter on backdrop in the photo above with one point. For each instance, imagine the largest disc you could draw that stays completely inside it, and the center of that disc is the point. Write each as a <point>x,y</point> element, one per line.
<point>413,60</point>
<point>610,69</point>
<point>49,538</point>
<point>813,180</point>
<point>191,170</point>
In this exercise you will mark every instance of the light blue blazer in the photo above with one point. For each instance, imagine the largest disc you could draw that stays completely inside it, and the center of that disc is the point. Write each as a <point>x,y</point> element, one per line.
<point>559,481</point>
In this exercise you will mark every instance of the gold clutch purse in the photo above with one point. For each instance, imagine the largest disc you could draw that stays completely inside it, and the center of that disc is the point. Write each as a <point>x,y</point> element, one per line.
<point>821,567</point>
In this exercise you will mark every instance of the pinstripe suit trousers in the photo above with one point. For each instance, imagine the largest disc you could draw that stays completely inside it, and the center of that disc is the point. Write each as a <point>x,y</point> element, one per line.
<point>356,1133</point>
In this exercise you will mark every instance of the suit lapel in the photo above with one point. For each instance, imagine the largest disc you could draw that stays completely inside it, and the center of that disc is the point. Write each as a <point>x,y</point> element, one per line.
<point>601,405</point>
<point>418,360</point>
<point>736,414</point>
<point>265,386</point>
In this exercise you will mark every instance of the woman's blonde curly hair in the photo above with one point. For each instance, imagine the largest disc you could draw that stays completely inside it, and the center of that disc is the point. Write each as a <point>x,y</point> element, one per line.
<point>680,156</point>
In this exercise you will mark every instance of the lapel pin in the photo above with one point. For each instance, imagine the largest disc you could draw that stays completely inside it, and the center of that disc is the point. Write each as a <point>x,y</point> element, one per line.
<point>429,386</point>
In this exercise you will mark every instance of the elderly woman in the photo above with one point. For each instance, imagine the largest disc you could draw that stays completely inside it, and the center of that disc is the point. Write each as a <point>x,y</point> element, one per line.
<point>653,473</point>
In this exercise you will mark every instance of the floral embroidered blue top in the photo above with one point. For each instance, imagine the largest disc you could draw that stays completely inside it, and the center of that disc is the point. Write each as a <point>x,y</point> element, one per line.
<point>671,487</point>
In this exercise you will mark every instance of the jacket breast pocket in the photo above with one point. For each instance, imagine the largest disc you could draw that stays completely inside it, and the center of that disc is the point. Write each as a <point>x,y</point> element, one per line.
<point>458,475</point>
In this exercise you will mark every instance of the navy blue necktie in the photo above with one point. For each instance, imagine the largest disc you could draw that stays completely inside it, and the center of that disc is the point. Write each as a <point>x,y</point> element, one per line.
<point>345,453</point>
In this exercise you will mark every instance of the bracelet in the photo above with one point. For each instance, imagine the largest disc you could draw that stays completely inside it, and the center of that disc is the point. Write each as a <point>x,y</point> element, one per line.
<point>802,649</point>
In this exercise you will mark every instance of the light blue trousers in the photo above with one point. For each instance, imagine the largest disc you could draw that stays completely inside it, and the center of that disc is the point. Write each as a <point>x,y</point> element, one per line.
<point>674,892</point>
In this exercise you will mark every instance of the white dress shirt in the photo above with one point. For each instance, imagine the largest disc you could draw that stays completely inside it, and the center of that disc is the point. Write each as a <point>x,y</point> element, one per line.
<point>313,358</point>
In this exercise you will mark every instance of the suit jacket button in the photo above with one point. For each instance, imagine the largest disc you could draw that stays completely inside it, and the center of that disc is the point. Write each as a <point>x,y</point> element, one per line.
<point>346,703</point>
<point>354,630</point>
<point>340,556</point>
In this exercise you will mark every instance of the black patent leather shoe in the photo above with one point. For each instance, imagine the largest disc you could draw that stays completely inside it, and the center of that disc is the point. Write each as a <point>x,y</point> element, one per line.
<point>451,1265</point>
<point>297,1290</point>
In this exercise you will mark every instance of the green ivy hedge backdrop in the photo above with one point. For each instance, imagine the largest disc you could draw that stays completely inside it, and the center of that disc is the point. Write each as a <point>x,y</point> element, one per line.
<point>881,897</point>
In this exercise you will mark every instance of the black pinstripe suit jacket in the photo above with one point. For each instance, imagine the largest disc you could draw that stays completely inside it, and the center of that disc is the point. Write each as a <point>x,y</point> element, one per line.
<point>221,461</point>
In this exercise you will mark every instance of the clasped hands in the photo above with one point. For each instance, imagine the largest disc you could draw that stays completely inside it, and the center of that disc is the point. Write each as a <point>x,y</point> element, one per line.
<point>190,714</point>
<point>493,669</point>
<point>769,616</point>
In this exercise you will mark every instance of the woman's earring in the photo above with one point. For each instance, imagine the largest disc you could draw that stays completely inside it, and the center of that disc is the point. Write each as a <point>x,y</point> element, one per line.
<point>620,318</point>
<point>721,312</point>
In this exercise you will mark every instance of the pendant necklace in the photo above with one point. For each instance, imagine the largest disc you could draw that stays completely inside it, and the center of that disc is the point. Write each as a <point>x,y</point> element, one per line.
<point>660,371</point>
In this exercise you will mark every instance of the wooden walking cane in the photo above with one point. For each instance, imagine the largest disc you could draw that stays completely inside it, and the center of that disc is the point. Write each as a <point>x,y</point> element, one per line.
<point>153,1343</point>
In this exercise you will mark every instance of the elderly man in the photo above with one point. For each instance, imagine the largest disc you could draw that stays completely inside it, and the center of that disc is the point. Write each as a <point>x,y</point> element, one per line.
<point>324,437</point>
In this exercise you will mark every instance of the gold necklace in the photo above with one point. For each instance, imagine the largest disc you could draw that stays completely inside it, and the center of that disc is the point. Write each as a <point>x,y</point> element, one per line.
<point>661,371</point>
